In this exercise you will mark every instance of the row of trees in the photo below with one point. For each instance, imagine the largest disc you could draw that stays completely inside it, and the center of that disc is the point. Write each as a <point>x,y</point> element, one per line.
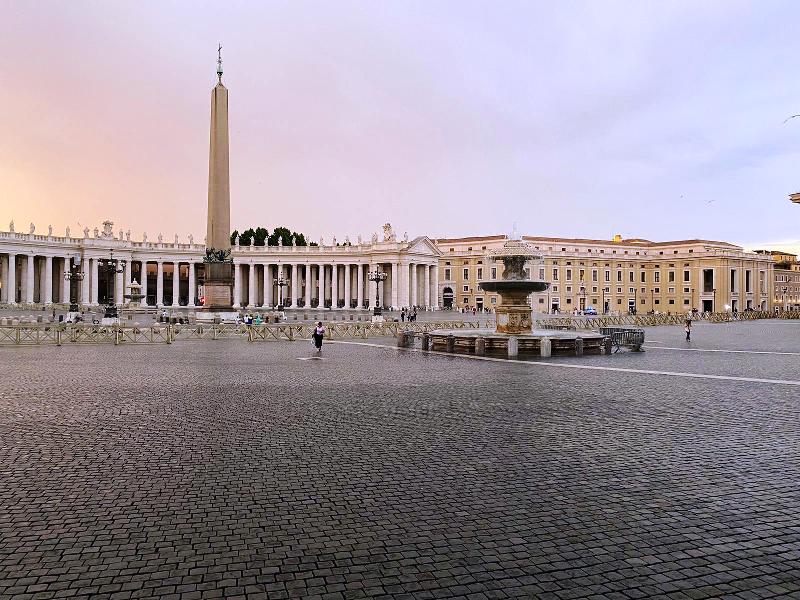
<point>262,237</point>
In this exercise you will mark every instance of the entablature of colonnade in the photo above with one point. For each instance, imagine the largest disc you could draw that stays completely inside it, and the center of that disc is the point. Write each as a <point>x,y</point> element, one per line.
<point>419,250</point>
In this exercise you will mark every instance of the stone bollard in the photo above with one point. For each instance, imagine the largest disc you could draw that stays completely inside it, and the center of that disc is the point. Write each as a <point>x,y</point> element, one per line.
<point>579,346</point>
<point>401,339</point>
<point>545,347</point>
<point>607,345</point>
<point>480,346</point>
<point>451,343</point>
<point>426,341</point>
<point>513,347</point>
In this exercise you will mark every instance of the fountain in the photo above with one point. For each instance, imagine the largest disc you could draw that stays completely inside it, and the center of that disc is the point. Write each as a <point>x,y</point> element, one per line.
<point>134,295</point>
<point>514,333</point>
<point>514,315</point>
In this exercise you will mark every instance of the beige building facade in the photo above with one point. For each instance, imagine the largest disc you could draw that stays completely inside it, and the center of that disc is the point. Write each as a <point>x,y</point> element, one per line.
<point>615,276</point>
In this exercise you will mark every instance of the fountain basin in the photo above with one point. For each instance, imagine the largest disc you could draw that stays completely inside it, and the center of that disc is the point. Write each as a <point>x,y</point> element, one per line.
<point>562,342</point>
<point>522,287</point>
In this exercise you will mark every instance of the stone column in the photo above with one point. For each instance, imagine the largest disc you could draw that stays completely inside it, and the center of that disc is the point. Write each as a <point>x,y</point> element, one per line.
<point>48,280</point>
<point>395,287</point>
<point>267,286</point>
<point>427,286</point>
<point>11,279</point>
<point>251,285</point>
<point>295,284</point>
<point>414,285</point>
<point>64,298</point>
<point>237,285</point>
<point>334,285</point>
<point>176,283</point>
<point>347,277</point>
<point>160,283</point>
<point>29,279</point>
<point>403,284</point>
<point>321,285</point>
<point>360,284</point>
<point>119,285</point>
<point>307,274</point>
<point>372,287</point>
<point>192,284</point>
<point>435,288</point>
<point>86,270</point>
<point>128,276</point>
<point>143,282</point>
<point>94,300</point>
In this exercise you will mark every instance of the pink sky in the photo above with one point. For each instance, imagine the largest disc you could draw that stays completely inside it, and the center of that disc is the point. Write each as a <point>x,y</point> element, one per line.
<point>579,119</point>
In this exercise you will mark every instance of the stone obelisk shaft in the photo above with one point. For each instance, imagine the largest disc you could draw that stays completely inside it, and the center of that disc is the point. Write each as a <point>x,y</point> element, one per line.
<point>219,188</point>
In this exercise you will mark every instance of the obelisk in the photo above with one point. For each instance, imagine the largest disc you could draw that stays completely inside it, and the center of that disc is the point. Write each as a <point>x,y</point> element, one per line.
<point>219,268</point>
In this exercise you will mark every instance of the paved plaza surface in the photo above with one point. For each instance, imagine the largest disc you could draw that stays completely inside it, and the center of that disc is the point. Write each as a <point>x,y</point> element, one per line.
<point>234,470</point>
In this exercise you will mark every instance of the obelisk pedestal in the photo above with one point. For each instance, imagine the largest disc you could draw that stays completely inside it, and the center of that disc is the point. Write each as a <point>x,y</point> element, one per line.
<point>218,264</point>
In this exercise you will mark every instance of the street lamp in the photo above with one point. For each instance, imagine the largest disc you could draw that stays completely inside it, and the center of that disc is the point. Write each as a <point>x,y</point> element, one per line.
<point>74,275</point>
<point>281,283</point>
<point>714,300</point>
<point>583,293</point>
<point>784,289</point>
<point>112,267</point>
<point>604,300</point>
<point>378,277</point>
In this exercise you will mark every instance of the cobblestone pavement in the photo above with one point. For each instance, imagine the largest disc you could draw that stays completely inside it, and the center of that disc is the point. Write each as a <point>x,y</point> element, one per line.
<point>234,470</point>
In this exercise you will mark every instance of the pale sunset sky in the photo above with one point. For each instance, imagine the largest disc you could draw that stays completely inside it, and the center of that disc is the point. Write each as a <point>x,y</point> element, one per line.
<point>661,120</point>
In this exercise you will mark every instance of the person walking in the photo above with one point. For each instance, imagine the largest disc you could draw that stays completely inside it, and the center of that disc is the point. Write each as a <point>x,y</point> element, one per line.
<point>688,330</point>
<point>403,315</point>
<point>319,333</point>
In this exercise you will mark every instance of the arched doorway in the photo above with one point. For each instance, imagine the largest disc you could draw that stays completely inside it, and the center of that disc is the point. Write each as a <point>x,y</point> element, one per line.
<point>447,297</point>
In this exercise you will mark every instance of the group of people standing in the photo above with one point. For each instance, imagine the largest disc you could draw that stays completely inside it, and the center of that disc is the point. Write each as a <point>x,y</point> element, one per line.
<point>412,316</point>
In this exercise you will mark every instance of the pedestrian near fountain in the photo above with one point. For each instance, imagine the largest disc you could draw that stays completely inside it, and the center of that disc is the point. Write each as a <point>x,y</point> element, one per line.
<point>318,335</point>
<point>688,330</point>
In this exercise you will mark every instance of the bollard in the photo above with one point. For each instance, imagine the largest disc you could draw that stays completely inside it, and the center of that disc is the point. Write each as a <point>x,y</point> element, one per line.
<point>607,344</point>
<point>579,346</point>
<point>401,339</point>
<point>480,346</point>
<point>426,341</point>
<point>545,347</point>
<point>451,343</point>
<point>513,347</point>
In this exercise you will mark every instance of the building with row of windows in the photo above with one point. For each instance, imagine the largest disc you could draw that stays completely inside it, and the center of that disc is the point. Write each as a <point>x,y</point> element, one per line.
<point>616,276</point>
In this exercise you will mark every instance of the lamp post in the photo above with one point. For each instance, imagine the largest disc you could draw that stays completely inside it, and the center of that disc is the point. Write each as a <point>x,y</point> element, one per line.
<point>604,300</point>
<point>714,300</point>
<point>281,283</point>
<point>112,267</point>
<point>635,300</point>
<point>74,275</point>
<point>583,293</point>
<point>784,289</point>
<point>378,277</point>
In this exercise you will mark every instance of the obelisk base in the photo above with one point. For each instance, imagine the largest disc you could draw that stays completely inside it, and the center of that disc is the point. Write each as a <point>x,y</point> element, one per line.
<point>218,286</point>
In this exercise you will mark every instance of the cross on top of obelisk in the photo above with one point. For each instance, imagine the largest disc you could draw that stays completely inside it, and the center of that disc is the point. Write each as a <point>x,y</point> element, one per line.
<point>219,63</point>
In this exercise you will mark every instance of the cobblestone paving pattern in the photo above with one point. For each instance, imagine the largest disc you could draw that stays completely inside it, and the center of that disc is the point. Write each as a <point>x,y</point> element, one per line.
<point>233,470</point>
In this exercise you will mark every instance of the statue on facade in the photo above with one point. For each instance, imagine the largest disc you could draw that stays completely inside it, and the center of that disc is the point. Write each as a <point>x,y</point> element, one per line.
<point>252,240</point>
<point>374,238</point>
<point>388,234</point>
<point>359,239</point>
<point>121,235</point>
<point>280,242</point>
<point>96,232</point>
<point>108,229</point>
<point>50,231</point>
<point>321,241</point>
<point>176,239</point>
<point>333,243</point>
<point>11,226</point>
<point>66,232</point>
<point>33,228</point>
<point>347,240</point>
<point>160,239</point>
<point>405,236</point>
<point>128,235</point>
<point>191,239</point>
<point>294,241</point>
<point>144,237</point>
<point>86,232</point>
<point>236,240</point>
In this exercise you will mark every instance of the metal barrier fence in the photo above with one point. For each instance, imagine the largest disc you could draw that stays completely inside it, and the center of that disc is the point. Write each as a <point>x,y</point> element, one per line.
<point>33,334</point>
<point>577,323</point>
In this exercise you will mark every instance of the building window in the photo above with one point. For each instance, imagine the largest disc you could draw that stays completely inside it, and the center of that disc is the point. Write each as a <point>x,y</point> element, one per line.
<point>671,277</point>
<point>466,273</point>
<point>466,300</point>
<point>672,301</point>
<point>630,276</point>
<point>619,276</point>
<point>480,272</point>
<point>748,277</point>
<point>447,274</point>
<point>594,274</point>
<point>608,276</point>
<point>493,300</point>
<point>686,302</point>
<point>686,277</point>
<point>466,288</point>
<point>555,274</point>
<point>657,277</point>
<point>569,274</point>
<point>685,290</point>
<point>643,276</point>
<point>494,272</point>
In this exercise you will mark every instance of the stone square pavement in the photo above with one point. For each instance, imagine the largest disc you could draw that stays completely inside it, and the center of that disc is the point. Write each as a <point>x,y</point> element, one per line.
<point>233,470</point>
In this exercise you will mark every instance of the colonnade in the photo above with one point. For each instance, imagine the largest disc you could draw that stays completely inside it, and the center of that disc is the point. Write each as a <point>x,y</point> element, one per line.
<point>31,278</point>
